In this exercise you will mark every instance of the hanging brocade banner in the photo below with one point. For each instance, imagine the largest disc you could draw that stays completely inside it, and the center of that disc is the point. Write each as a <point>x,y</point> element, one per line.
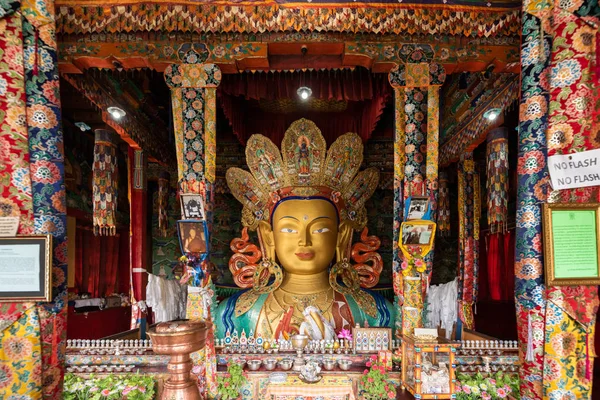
<point>443,219</point>
<point>163,202</point>
<point>497,179</point>
<point>106,181</point>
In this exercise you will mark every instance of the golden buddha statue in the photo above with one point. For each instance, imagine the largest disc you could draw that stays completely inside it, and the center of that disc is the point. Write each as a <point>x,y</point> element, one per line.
<point>305,203</point>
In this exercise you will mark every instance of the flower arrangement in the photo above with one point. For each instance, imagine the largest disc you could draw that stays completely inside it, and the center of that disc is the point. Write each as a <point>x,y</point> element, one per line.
<point>494,387</point>
<point>111,387</point>
<point>229,386</point>
<point>414,261</point>
<point>374,384</point>
<point>345,334</point>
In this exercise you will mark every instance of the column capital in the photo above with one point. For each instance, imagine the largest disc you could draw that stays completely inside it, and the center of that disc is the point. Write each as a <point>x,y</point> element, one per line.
<point>417,75</point>
<point>192,76</point>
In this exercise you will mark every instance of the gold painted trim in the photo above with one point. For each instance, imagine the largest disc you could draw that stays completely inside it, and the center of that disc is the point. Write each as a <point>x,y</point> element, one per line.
<point>47,287</point>
<point>549,276</point>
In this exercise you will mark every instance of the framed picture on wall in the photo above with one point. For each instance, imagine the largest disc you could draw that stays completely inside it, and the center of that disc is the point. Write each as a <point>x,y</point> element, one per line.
<point>192,206</point>
<point>26,268</point>
<point>417,208</point>
<point>571,242</point>
<point>193,236</point>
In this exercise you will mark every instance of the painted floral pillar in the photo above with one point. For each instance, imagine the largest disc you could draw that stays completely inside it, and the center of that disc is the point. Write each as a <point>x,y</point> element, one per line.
<point>416,82</point>
<point>560,72</point>
<point>32,176</point>
<point>193,87</point>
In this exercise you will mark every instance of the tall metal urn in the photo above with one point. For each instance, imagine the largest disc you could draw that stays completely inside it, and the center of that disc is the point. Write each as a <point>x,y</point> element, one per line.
<point>179,339</point>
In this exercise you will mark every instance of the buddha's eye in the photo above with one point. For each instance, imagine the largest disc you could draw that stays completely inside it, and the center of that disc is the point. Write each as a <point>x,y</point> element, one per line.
<point>288,230</point>
<point>321,230</point>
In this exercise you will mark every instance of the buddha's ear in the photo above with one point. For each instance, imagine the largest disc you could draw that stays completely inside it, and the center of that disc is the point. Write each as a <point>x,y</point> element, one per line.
<point>268,239</point>
<point>343,241</point>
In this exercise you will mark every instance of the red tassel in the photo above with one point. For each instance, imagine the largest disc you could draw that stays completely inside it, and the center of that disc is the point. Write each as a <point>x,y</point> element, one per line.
<point>54,359</point>
<point>597,57</point>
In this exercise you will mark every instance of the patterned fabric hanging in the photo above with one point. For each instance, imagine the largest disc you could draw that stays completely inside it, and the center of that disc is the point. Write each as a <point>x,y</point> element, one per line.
<point>497,179</point>
<point>467,242</point>
<point>106,180</point>
<point>443,219</point>
<point>163,200</point>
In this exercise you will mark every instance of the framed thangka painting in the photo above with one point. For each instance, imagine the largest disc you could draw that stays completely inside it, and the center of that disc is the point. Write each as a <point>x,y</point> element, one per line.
<point>571,243</point>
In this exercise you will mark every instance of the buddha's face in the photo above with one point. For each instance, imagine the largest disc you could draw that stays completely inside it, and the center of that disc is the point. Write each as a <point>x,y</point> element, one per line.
<point>305,235</point>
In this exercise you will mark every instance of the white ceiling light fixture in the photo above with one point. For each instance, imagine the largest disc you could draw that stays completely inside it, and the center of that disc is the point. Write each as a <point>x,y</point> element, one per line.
<point>83,126</point>
<point>116,112</point>
<point>304,92</point>
<point>492,114</point>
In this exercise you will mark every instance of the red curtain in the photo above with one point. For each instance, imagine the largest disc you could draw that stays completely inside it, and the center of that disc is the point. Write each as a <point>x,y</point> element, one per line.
<point>500,259</point>
<point>96,263</point>
<point>350,85</point>
<point>366,95</point>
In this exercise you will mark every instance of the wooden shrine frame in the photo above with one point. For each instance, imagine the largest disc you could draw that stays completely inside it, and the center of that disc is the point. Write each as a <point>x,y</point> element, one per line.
<point>556,267</point>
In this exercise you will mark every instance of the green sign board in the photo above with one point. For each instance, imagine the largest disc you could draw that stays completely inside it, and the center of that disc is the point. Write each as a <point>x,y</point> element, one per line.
<point>575,244</point>
<point>571,242</point>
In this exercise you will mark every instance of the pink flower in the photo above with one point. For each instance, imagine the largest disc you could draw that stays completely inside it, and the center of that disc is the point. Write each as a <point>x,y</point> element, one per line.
<point>466,389</point>
<point>141,389</point>
<point>404,265</point>
<point>366,371</point>
<point>418,263</point>
<point>128,389</point>
<point>458,389</point>
<point>370,380</point>
<point>501,393</point>
<point>226,384</point>
<point>391,395</point>
<point>492,381</point>
<point>485,396</point>
<point>105,392</point>
<point>369,364</point>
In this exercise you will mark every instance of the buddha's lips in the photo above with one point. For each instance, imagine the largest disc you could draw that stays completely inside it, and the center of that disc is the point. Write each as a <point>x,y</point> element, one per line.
<point>305,256</point>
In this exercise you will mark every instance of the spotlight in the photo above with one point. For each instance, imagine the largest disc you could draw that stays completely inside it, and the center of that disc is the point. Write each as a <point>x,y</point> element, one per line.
<point>116,112</point>
<point>304,92</point>
<point>492,114</point>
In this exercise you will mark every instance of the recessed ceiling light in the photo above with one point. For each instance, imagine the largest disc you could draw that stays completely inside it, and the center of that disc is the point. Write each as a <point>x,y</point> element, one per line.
<point>116,112</point>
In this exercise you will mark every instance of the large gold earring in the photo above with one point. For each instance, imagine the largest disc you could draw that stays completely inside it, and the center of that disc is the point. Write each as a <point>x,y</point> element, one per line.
<point>262,285</point>
<point>349,277</point>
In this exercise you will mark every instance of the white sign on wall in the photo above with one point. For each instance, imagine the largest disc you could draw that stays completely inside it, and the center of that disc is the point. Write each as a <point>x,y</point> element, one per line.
<point>575,170</point>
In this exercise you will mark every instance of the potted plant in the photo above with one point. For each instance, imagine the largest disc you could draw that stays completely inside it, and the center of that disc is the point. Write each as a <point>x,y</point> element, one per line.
<point>496,386</point>
<point>374,383</point>
<point>229,387</point>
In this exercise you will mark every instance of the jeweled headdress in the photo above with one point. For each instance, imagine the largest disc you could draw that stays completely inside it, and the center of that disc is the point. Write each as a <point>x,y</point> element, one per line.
<point>304,168</point>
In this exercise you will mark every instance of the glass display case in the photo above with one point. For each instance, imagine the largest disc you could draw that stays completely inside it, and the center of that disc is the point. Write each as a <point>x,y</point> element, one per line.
<point>428,367</point>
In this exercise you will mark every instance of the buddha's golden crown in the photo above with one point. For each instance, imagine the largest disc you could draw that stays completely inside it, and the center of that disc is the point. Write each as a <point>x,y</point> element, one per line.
<point>303,169</point>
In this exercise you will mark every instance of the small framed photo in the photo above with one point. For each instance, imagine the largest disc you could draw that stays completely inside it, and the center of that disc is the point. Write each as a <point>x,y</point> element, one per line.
<point>417,208</point>
<point>417,234</point>
<point>192,206</point>
<point>26,268</point>
<point>193,236</point>
<point>571,243</point>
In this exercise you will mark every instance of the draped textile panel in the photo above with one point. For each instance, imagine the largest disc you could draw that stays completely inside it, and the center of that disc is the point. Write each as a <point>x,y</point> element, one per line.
<point>349,101</point>
<point>96,263</point>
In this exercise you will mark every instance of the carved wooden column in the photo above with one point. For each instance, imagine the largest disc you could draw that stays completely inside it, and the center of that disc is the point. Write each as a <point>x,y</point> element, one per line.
<point>416,82</point>
<point>193,94</point>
